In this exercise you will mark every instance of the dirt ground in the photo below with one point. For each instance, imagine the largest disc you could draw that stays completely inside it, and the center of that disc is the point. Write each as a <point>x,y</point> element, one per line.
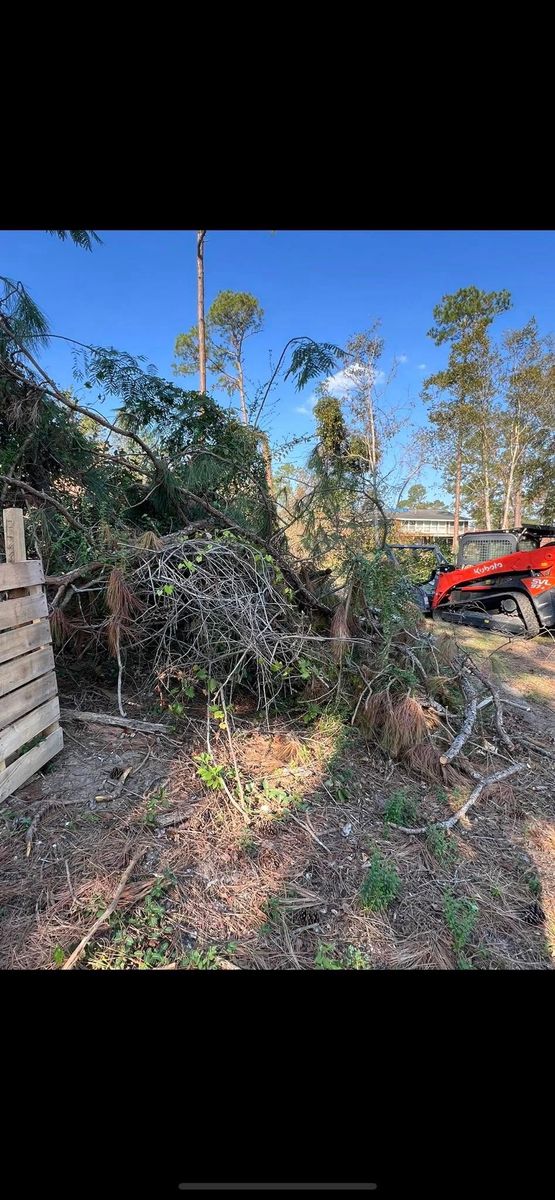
<point>288,879</point>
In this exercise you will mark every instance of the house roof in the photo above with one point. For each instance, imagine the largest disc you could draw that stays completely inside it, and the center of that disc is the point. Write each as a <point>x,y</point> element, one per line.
<point>425,514</point>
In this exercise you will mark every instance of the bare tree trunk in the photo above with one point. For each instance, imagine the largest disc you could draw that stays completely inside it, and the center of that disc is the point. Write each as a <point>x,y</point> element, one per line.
<point>241,382</point>
<point>457,513</point>
<point>508,496</point>
<point>487,490</point>
<point>201,234</point>
<point>518,508</point>
<point>265,448</point>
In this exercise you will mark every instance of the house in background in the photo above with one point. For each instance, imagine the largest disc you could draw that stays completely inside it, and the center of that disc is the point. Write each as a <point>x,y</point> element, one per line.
<point>428,524</point>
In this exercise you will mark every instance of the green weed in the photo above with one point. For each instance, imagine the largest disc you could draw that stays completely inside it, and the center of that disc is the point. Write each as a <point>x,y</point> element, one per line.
<point>156,801</point>
<point>271,910</point>
<point>355,960</point>
<point>201,960</point>
<point>323,960</point>
<point>460,917</point>
<point>327,958</point>
<point>441,845</point>
<point>534,883</point>
<point>209,772</point>
<point>400,809</point>
<point>381,884</point>
<point>139,940</point>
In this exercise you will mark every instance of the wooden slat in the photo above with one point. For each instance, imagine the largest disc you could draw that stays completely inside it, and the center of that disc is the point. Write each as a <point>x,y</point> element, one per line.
<point>24,730</point>
<point>21,770</point>
<point>25,608</point>
<point>26,698</point>
<point>20,575</point>
<point>22,670</point>
<point>20,641</point>
<point>14,535</point>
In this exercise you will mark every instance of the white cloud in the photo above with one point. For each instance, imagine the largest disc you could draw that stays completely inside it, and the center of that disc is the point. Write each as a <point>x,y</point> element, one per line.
<point>346,380</point>
<point>402,358</point>
<point>422,367</point>
<point>342,382</point>
<point>307,412</point>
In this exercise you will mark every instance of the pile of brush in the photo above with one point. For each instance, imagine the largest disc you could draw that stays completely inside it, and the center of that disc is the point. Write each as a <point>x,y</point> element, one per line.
<point>207,611</point>
<point>199,607</point>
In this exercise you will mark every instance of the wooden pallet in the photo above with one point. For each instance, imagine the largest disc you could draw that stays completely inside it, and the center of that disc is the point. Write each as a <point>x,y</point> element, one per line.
<point>29,706</point>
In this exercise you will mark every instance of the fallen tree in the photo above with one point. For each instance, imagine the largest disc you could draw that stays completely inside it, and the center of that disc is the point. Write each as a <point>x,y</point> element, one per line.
<point>162,543</point>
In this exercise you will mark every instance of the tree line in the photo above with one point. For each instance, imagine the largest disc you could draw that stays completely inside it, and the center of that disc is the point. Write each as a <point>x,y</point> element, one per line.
<point>171,455</point>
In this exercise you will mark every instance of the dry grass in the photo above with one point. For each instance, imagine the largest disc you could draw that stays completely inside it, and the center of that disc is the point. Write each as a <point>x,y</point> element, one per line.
<point>405,727</point>
<point>286,881</point>
<point>280,877</point>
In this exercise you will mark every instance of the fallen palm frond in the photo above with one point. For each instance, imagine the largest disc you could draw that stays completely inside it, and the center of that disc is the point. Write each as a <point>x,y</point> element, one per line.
<point>374,712</point>
<point>121,600</point>
<point>60,626</point>
<point>404,727</point>
<point>424,761</point>
<point>149,541</point>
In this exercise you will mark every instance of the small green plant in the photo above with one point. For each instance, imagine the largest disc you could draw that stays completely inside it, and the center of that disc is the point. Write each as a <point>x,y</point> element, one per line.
<point>306,670</point>
<point>209,772</point>
<point>534,883</point>
<point>464,963</point>
<point>441,845</point>
<point>460,917</point>
<point>247,844</point>
<point>312,711</point>
<point>400,809</point>
<point>323,960</point>
<point>58,956</point>
<point>271,909</point>
<point>355,960</point>
<point>138,940</point>
<point>217,714</point>
<point>156,801</point>
<point>201,960</point>
<point>381,884</point>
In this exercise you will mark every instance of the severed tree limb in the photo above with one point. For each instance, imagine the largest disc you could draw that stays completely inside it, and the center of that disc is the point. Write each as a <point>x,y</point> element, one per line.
<point>467,726</point>
<point>484,782</point>
<point>68,714</point>
<point>26,487</point>
<point>38,818</point>
<point>497,703</point>
<point>63,581</point>
<point>70,962</point>
<point>159,466</point>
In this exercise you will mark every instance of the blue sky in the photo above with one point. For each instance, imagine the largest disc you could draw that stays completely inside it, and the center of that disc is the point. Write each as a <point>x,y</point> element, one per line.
<point>138,291</point>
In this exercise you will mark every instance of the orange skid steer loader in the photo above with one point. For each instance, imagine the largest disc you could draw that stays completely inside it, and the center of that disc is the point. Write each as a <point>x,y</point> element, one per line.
<point>503,580</point>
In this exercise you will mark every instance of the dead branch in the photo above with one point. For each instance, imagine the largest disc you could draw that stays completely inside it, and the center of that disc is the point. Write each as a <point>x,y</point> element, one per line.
<point>222,519</point>
<point>68,714</point>
<point>166,820</point>
<point>451,821</point>
<point>63,582</point>
<point>38,818</point>
<point>307,829</point>
<point>26,487</point>
<point>468,723</point>
<point>70,962</point>
<point>497,703</point>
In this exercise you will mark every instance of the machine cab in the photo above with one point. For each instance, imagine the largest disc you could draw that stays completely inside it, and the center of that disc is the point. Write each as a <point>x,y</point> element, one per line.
<point>476,547</point>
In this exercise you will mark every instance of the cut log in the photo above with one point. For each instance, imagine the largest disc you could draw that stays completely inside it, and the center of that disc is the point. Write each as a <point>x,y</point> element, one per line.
<point>68,714</point>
